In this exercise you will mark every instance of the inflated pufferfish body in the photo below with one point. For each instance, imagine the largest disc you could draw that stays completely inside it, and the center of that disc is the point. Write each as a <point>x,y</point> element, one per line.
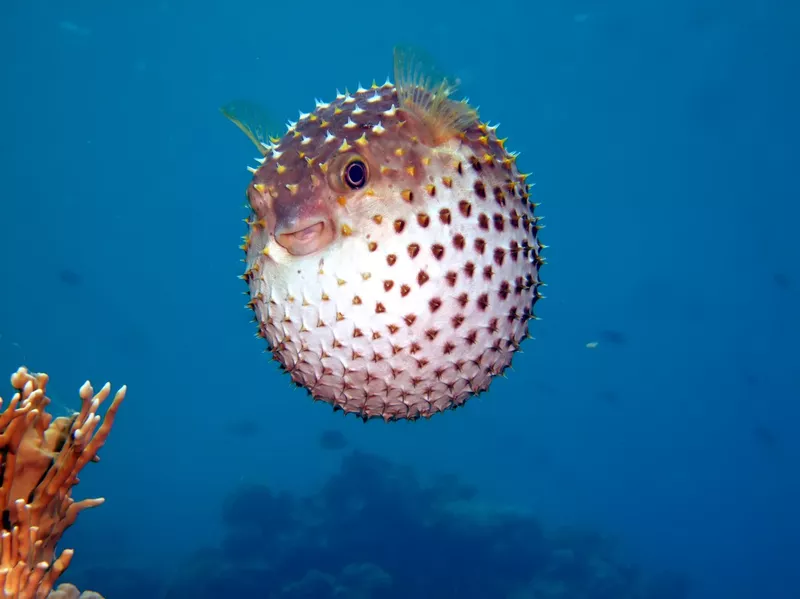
<point>392,258</point>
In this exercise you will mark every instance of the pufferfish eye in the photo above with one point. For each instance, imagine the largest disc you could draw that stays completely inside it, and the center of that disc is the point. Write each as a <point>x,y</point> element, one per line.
<point>355,174</point>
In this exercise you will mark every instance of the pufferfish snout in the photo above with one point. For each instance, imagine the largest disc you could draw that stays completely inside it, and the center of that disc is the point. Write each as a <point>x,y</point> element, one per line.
<point>393,255</point>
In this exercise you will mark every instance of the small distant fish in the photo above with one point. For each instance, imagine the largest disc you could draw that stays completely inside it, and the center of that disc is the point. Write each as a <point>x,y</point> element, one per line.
<point>592,345</point>
<point>73,28</point>
<point>614,337</point>
<point>608,397</point>
<point>70,277</point>
<point>782,281</point>
<point>765,437</point>
<point>243,428</point>
<point>332,440</point>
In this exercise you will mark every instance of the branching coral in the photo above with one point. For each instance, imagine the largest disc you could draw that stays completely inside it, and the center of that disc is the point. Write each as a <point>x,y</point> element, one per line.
<point>40,458</point>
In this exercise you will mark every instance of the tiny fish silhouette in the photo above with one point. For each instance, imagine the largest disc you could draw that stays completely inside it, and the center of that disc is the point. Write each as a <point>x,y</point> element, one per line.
<point>332,440</point>
<point>614,337</point>
<point>70,277</point>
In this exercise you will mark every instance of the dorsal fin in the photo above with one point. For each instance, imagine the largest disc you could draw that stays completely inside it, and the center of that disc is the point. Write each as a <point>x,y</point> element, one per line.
<point>425,93</point>
<point>254,122</point>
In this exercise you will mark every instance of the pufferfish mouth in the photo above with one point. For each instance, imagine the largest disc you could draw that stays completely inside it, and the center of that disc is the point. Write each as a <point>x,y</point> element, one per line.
<point>306,237</point>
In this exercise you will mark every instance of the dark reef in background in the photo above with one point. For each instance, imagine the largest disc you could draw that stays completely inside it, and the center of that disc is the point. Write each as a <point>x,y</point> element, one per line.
<point>374,531</point>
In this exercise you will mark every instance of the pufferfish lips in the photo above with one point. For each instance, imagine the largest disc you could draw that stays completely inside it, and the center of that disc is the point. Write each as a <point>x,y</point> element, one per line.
<point>392,254</point>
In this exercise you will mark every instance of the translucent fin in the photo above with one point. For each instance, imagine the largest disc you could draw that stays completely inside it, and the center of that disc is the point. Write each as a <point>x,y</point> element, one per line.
<point>425,92</point>
<point>254,122</point>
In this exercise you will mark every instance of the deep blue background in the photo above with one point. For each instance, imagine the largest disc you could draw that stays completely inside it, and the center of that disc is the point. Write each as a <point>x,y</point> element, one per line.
<point>663,140</point>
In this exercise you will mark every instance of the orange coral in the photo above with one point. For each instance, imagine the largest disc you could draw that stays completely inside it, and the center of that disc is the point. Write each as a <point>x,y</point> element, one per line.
<point>40,458</point>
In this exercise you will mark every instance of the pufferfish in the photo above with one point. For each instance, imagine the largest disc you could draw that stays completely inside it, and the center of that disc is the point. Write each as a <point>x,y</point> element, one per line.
<point>393,252</point>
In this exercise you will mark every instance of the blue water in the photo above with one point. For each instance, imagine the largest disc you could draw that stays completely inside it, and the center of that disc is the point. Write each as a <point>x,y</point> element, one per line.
<point>663,140</point>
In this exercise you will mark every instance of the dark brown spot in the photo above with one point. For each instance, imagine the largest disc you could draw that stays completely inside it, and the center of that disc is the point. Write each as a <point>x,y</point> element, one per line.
<point>488,272</point>
<point>422,363</point>
<point>480,245</point>
<point>448,348</point>
<point>499,196</point>
<point>422,278</point>
<point>519,285</point>
<point>399,225</point>
<point>483,302</point>
<point>376,357</point>
<point>357,332</point>
<point>410,319</point>
<point>423,220</point>
<point>483,222</point>
<point>457,320</point>
<point>451,278</point>
<point>414,348</point>
<point>499,256</point>
<point>387,285</point>
<point>463,300</point>
<point>404,290</point>
<point>391,259</point>
<point>380,308</point>
<point>356,301</point>
<point>460,168</point>
<point>375,335</point>
<point>472,338</point>
<point>514,251</point>
<point>493,326</point>
<point>393,328</point>
<point>499,222</point>
<point>505,290</point>
<point>476,164</point>
<point>465,208</point>
<point>512,314</point>
<point>413,250</point>
<point>514,219</point>
<point>469,269</point>
<point>434,304</point>
<point>480,189</point>
<point>437,250</point>
<point>444,216</point>
<point>372,246</point>
<point>431,334</point>
<point>458,241</point>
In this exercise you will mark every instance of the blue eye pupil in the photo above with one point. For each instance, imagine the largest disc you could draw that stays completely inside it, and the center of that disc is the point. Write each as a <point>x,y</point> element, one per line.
<point>356,174</point>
